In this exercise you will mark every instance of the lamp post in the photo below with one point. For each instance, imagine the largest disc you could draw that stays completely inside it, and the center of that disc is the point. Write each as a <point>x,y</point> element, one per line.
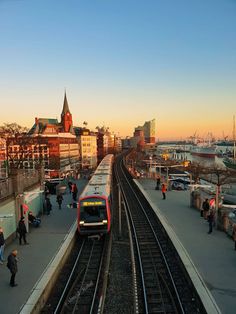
<point>119,205</point>
<point>217,196</point>
<point>150,168</point>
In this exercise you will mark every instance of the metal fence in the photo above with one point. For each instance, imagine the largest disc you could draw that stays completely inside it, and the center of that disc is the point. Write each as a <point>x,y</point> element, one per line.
<point>20,182</point>
<point>29,178</point>
<point>6,188</point>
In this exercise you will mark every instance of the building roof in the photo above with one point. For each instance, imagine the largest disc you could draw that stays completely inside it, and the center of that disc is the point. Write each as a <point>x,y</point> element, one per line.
<point>65,106</point>
<point>41,124</point>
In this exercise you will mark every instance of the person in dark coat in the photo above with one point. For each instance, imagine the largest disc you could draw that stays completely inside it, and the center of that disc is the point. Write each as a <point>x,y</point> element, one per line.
<point>48,205</point>
<point>59,200</point>
<point>70,186</point>
<point>234,236</point>
<point>12,266</point>
<point>158,183</point>
<point>22,230</point>
<point>35,221</point>
<point>205,208</point>
<point>2,246</point>
<point>210,221</point>
<point>74,192</point>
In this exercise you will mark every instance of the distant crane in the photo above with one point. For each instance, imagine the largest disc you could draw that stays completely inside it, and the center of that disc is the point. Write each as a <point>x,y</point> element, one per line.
<point>224,136</point>
<point>193,138</point>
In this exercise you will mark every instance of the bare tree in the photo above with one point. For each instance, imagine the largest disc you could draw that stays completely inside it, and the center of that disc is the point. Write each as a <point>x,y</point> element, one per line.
<point>215,174</point>
<point>20,146</point>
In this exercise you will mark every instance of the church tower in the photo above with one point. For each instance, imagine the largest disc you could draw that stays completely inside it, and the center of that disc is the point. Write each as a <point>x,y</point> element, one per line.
<point>66,117</point>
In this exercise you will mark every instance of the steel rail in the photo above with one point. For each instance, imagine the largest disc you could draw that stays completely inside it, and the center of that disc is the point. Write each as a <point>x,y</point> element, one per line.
<point>136,309</point>
<point>65,291</point>
<point>138,252</point>
<point>157,241</point>
<point>83,281</point>
<point>91,259</point>
<point>78,290</point>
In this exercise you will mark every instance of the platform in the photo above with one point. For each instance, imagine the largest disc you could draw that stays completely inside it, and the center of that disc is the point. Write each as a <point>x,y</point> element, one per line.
<point>213,255</point>
<point>34,258</point>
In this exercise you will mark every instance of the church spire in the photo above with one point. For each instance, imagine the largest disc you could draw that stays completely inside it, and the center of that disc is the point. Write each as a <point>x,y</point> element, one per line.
<point>66,117</point>
<point>65,106</point>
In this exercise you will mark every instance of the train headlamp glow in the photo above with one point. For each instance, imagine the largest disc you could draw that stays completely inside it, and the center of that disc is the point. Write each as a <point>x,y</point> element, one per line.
<point>81,222</point>
<point>104,221</point>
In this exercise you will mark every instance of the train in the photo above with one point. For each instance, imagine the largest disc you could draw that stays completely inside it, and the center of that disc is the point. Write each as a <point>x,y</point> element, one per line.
<point>94,205</point>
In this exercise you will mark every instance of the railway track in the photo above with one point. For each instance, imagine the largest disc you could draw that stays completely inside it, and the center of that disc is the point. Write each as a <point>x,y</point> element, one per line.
<point>163,285</point>
<point>81,296</point>
<point>83,286</point>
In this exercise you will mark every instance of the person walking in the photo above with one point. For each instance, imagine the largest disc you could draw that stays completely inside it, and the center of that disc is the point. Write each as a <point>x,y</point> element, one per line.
<point>234,236</point>
<point>22,230</point>
<point>210,221</point>
<point>163,190</point>
<point>74,191</point>
<point>205,208</point>
<point>2,246</point>
<point>158,183</point>
<point>12,266</point>
<point>59,200</point>
<point>48,205</point>
<point>70,186</point>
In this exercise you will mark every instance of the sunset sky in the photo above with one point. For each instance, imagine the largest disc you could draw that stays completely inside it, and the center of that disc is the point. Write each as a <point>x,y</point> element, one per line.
<point>122,62</point>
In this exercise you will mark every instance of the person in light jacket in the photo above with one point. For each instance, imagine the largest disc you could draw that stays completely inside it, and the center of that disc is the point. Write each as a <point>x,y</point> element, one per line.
<point>163,190</point>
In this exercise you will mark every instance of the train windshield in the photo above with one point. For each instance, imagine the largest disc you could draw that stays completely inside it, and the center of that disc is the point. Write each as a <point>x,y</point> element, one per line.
<point>93,210</point>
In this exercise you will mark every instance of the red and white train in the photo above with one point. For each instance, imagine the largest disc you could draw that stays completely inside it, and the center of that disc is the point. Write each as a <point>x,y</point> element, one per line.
<point>94,207</point>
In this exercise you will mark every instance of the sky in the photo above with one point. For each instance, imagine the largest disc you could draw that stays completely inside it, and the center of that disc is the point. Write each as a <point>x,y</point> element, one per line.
<point>122,62</point>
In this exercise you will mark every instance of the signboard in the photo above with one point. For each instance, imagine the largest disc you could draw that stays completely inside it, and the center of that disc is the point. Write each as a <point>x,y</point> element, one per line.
<point>93,203</point>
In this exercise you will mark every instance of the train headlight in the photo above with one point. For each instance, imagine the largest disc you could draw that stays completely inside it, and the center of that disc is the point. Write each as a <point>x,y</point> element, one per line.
<point>81,222</point>
<point>104,221</point>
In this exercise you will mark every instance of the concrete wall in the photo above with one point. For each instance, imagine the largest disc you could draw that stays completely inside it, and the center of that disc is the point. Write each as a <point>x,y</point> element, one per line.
<point>10,210</point>
<point>34,199</point>
<point>8,207</point>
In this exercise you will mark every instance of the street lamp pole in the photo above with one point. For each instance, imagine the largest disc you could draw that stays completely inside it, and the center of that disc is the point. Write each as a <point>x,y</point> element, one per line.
<point>119,206</point>
<point>217,198</point>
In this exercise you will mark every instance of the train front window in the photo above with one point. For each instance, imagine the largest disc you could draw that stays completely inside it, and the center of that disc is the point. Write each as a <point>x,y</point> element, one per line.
<point>93,213</point>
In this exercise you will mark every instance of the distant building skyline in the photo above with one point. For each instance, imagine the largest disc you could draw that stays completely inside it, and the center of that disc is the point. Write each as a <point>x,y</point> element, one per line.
<point>149,131</point>
<point>58,146</point>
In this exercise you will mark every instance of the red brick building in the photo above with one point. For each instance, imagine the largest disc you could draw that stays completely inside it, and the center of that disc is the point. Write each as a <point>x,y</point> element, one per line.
<point>49,143</point>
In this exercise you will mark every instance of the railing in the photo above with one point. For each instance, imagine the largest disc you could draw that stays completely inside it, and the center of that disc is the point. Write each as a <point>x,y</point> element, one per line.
<point>18,183</point>
<point>28,179</point>
<point>6,188</point>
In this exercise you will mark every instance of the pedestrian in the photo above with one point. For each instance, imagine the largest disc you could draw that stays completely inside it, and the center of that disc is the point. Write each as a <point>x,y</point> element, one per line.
<point>12,266</point>
<point>210,221</point>
<point>22,230</point>
<point>234,236</point>
<point>158,183</point>
<point>2,246</point>
<point>163,190</point>
<point>46,191</point>
<point>74,192</point>
<point>35,221</point>
<point>70,186</point>
<point>205,208</point>
<point>48,205</point>
<point>59,200</point>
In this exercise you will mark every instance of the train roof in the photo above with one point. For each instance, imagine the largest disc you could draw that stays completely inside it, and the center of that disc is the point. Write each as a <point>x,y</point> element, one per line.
<point>100,183</point>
